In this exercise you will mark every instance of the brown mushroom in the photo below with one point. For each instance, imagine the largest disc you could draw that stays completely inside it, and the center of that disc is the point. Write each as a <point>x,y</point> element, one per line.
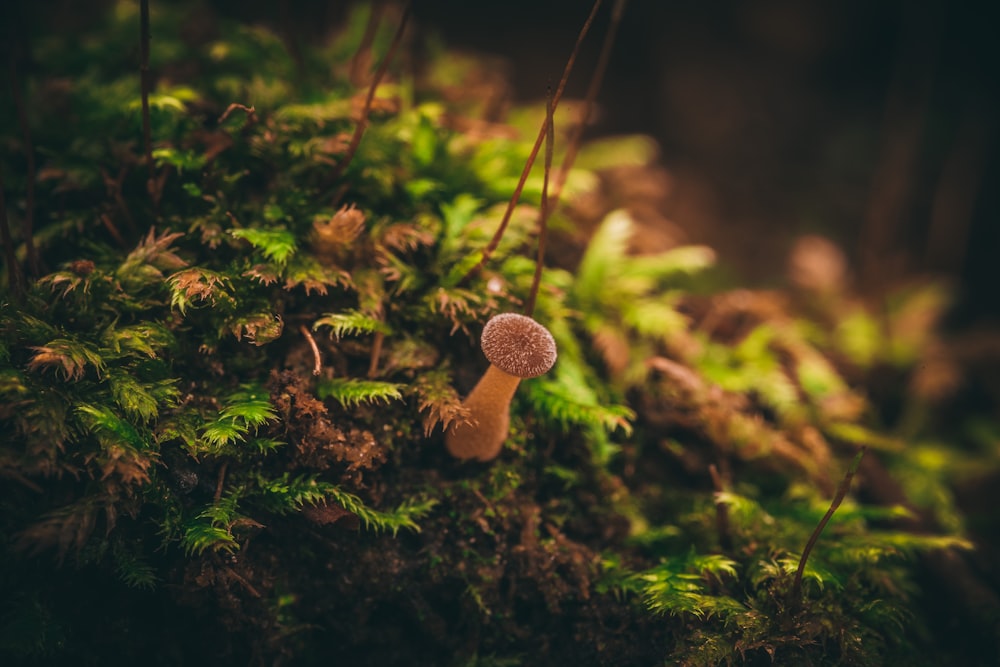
<point>517,347</point>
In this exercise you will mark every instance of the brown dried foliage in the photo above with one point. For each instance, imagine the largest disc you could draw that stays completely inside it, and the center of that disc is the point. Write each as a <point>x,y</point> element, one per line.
<point>316,442</point>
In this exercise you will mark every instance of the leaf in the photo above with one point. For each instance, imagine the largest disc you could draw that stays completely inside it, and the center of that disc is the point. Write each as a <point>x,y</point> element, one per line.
<point>277,244</point>
<point>222,433</point>
<point>600,154</point>
<point>202,535</point>
<point>351,392</point>
<point>605,252</point>
<point>403,516</point>
<point>198,286</point>
<point>332,236</point>
<point>350,323</point>
<point>250,409</point>
<point>72,357</point>
<point>677,586</point>
<point>568,405</point>
<point>288,494</point>
<point>655,319</point>
<point>131,568</point>
<point>439,400</point>
<point>457,214</point>
<point>147,262</point>
<point>212,528</point>
<point>133,396</point>
<point>857,434</point>
<point>181,160</point>
<point>114,429</point>
<point>257,328</point>
<point>308,273</point>
<point>680,261</point>
<point>146,339</point>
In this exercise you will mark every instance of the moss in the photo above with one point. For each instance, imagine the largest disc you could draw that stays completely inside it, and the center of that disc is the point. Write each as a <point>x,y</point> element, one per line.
<point>225,397</point>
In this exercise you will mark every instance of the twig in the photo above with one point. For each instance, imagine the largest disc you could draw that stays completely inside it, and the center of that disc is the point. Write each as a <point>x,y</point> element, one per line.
<point>359,130</point>
<point>318,363</point>
<point>147,133</point>
<point>221,482</point>
<point>15,279</point>
<point>495,241</point>
<point>543,213</point>
<point>242,580</point>
<point>250,111</point>
<point>29,153</point>
<point>576,136</point>
<point>838,498</point>
<point>376,353</point>
<point>721,510</point>
<point>114,186</point>
<point>115,234</point>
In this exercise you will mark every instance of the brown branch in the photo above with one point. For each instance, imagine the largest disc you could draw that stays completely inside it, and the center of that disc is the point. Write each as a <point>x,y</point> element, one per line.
<point>359,130</point>
<point>543,213</point>
<point>495,241</point>
<point>845,486</point>
<point>29,152</point>
<point>318,362</point>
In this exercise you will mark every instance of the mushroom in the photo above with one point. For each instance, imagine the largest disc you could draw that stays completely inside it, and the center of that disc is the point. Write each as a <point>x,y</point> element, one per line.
<point>517,347</point>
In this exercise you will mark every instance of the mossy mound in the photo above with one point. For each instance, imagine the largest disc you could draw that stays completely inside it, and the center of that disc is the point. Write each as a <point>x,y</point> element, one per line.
<point>224,389</point>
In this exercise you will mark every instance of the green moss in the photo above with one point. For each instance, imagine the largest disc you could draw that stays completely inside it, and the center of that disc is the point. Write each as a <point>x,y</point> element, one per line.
<point>169,448</point>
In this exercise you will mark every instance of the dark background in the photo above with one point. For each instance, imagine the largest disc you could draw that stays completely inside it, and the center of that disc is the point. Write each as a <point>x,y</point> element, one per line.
<point>871,122</point>
<point>874,123</point>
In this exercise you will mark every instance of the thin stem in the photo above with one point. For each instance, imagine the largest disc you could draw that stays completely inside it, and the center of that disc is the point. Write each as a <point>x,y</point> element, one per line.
<point>115,234</point>
<point>29,152</point>
<point>144,82</point>
<point>377,341</point>
<point>317,360</point>
<point>838,498</point>
<point>543,213</point>
<point>576,136</point>
<point>359,130</point>
<point>495,241</point>
<point>250,111</point>
<point>721,510</point>
<point>220,481</point>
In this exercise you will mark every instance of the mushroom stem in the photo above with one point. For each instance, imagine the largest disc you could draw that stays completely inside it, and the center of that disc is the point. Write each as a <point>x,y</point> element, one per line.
<point>483,435</point>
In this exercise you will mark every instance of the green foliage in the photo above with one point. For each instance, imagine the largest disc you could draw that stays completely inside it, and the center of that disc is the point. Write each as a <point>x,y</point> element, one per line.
<point>277,245</point>
<point>212,528</point>
<point>162,380</point>
<point>351,392</point>
<point>680,586</point>
<point>351,323</point>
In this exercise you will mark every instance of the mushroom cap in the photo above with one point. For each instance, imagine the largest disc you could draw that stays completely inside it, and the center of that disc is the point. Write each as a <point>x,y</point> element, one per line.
<point>518,345</point>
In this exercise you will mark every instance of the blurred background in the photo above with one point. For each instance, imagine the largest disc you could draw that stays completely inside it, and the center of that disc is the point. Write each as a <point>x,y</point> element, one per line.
<point>871,123</point>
